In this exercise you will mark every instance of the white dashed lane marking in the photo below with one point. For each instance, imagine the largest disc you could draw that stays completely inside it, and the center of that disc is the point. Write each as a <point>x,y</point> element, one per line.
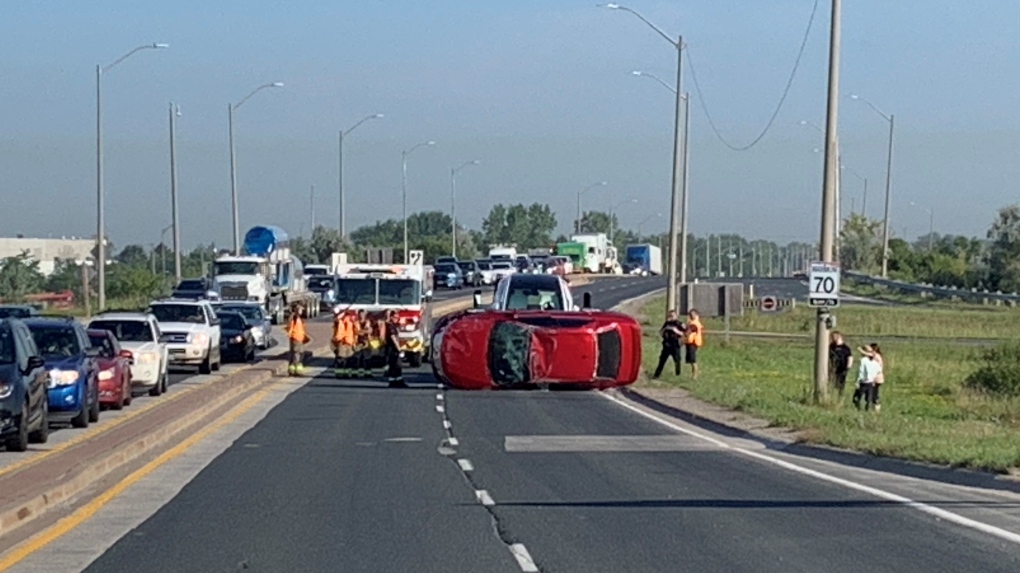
<point>465,465</point>
<point>484,498</point>
<point>524,560</point>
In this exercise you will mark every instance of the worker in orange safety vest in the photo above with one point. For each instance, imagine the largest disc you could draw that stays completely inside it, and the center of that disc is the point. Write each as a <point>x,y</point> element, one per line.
<point>344,339</point>
<point>298,338</point>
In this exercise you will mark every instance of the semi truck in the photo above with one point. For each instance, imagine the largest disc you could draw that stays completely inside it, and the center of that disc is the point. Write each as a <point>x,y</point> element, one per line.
<point>643,260</point>
<point>266,273</point>
<point>600,254</point>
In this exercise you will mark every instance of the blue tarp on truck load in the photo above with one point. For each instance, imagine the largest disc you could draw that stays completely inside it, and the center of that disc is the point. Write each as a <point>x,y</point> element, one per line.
<point>263,240</point>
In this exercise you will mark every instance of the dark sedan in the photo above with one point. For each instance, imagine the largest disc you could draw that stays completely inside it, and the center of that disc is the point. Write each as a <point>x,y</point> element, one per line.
<point>24,407</point>
<point>449,275</point>
<point>472,274</point>
<point>236,340</point>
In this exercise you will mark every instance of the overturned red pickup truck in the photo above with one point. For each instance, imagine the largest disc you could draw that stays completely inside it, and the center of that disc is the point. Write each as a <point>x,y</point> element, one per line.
<point>476,350</point>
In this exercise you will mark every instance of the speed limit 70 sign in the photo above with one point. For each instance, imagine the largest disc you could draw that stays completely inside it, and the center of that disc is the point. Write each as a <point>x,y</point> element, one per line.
<point>823,285</point>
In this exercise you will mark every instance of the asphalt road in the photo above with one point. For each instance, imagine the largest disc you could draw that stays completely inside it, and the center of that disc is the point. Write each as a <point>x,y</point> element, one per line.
<point>353,476</point>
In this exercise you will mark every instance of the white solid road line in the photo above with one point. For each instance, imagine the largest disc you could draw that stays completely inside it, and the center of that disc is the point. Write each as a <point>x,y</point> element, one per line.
<point>523,558</point>
<point>936,512</point>
<point>484,497</point>
<point>465,465</point>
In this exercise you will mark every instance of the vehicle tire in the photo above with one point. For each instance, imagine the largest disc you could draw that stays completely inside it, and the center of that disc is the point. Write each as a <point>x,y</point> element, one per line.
<point>166,382</point>
<point>251,356</point>
<point>219,361</point>
<point>42,435</point>
<point>94,409</point>
<point>206,366</point>
<point>414,360</point>
<point>157,389</point>
<point>81,420</point>
<point>19,441</point>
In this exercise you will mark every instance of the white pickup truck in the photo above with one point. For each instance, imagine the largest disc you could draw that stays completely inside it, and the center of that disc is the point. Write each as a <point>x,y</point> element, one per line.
<point>191,331</point>
<point>533,292</point>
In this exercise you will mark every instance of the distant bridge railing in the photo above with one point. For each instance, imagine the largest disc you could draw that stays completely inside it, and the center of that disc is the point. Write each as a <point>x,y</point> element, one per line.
<point>936,291</point>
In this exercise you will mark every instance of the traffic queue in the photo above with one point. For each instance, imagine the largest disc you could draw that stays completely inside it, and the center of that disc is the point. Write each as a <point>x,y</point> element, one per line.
<point>58,371</point>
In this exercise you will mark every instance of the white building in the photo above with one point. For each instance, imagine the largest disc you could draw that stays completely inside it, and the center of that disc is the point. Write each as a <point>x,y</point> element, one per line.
<point>48,251</point>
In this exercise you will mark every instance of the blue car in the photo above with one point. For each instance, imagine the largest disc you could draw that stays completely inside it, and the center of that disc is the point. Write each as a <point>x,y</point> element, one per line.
<point>73,392</point>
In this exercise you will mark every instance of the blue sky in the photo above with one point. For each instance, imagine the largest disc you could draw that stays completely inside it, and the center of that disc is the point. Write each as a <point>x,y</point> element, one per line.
<point>541,92</point>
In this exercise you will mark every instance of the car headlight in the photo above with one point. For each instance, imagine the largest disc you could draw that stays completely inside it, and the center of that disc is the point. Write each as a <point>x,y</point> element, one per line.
<point>198,337</point>
<point>330,294</point>
<point>106,375</point>
<point>237,339</point>
<point>6,390</point>
<point>63,377</point>
<point>451,276</point>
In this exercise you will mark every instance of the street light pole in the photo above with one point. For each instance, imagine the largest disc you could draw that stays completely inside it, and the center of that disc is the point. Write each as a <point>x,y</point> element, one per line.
<point>403,187</point>
<point>577,224</point>
<point>678,160</point>
<point>342,215</point>
<point>233,162</point>
<point>100,191</point>
<point>891,119</point>
<point>175,111</point>
<point>453,204</point>
<point>828,231</point>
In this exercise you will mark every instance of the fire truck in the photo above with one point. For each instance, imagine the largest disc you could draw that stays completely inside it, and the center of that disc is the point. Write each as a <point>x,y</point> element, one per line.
<point>377,288</point>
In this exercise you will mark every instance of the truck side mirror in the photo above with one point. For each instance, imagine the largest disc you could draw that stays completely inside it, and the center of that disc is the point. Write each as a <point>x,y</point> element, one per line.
<point>586,300</point>
<point>476,299</point>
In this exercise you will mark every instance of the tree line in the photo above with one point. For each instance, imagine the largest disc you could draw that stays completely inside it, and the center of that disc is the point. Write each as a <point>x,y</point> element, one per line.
<point>992,262</point>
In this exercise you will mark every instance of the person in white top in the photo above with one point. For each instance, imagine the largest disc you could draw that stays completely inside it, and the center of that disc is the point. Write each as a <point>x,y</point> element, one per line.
<point>868,375</point>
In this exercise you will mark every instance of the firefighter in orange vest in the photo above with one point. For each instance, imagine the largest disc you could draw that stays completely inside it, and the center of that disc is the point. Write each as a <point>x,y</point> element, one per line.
<point>344,339</point>
<point>362,348</point>
<point>298,338</point>
<point>693,341</point>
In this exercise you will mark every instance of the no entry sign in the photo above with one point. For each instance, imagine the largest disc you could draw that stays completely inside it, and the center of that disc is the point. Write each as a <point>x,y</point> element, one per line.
<point>769,304</point>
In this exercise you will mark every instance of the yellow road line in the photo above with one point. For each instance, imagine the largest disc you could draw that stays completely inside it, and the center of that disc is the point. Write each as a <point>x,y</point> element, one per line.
<point>84,513</point>
<point>88,435</point>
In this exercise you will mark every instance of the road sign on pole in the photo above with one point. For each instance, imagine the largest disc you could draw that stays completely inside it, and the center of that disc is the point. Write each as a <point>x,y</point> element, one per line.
<point>823,285</point>
<point>769,304</point>
<point>415,258</point>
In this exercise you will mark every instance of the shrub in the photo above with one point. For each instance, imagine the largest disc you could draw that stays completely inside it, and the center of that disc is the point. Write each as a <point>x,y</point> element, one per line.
<point>1000,373</point>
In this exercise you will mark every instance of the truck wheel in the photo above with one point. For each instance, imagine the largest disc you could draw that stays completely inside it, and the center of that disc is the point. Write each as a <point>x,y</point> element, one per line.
<point>19,441</point>
<point>82,419</point>
<point>206,366</point>
<point>94,409</point>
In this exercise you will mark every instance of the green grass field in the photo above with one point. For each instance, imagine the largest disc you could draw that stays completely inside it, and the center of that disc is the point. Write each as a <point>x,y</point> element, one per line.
<point>927,415</point>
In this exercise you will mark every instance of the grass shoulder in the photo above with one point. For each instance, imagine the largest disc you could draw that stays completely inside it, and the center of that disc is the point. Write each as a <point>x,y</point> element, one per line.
<point>928,414</point>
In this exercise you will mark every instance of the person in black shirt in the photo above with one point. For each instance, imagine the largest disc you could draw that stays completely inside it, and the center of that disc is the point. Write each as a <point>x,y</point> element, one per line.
<point>841,359</point>
<point>672,333</point>
<point>394,372</point>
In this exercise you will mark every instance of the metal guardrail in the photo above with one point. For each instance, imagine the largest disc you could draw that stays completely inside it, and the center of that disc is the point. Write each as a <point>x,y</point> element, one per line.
<point>936,291</point>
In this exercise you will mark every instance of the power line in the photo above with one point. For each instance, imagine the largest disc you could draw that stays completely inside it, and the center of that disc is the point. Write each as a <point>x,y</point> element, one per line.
<point>782,99</point>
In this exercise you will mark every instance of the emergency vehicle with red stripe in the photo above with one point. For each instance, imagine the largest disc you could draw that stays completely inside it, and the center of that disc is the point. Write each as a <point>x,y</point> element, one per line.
<point>378,288</point>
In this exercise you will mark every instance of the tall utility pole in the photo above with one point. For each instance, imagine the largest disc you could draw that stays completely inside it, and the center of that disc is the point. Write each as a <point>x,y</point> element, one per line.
<point>342,202</point>
<point>828,230</point>
<point>708,257</point>
<point>311,210</point>
<point>678,154</point>
<point>175,111</point>
<point>453,204</point>
<point>740,266</point>
<point>100,191</point>
<point>718,255</point>
<point>403,186</point>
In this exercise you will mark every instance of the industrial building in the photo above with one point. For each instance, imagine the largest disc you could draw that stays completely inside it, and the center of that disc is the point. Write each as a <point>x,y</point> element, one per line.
<point>48,251</point>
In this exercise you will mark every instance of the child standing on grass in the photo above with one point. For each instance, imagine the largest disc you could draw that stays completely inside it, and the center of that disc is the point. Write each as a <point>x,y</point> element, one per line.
<point>880,379</point>
<point>867,377</point>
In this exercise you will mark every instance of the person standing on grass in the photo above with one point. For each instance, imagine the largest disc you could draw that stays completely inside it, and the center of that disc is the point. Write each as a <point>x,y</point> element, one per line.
<point>867,375</point>
<point>672,333</point>
<point>693,341</point>
<point>841,360</point>
<point>880,378</point>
